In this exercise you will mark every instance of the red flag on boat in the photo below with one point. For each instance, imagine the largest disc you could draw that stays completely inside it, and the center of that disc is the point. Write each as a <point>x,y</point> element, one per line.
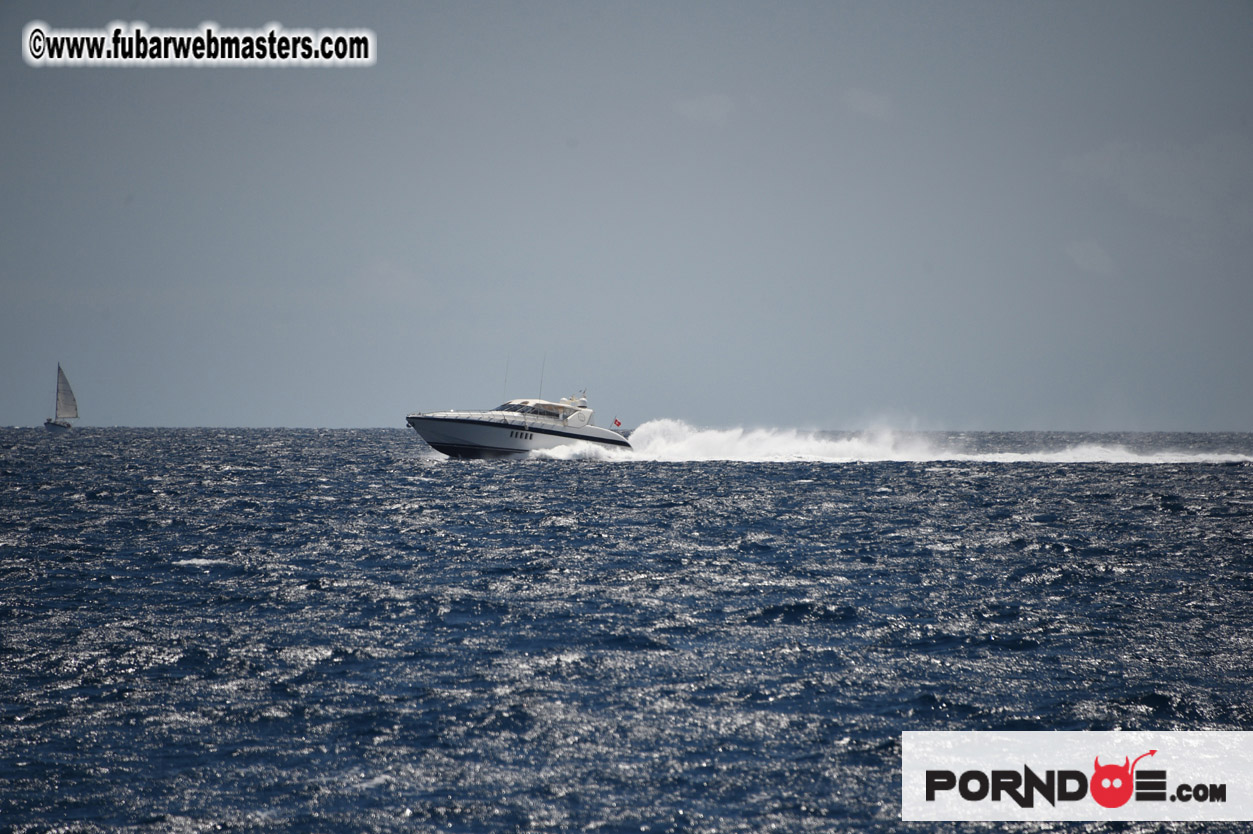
<point>617,423</point>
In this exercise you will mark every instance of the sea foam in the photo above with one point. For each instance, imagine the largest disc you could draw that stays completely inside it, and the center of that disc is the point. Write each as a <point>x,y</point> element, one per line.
<point>671,440</point>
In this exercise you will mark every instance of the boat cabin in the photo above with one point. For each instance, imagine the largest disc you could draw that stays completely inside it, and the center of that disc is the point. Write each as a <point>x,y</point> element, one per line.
<point>572,411</point>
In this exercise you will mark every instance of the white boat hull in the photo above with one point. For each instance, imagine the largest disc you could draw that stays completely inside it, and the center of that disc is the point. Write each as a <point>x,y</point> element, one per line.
<point>474,437</point>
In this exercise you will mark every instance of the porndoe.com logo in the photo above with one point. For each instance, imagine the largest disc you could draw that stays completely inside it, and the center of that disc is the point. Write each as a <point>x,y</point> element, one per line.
<point>1110,785</point>
<point>1043,776</point>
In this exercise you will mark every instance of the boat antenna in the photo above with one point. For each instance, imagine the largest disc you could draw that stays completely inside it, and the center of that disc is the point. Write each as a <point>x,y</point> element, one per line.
<point>504,396</point>
<point>542,365</point>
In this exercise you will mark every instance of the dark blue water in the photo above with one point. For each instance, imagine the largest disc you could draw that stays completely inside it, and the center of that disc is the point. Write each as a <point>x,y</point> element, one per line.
<point>282,630</point>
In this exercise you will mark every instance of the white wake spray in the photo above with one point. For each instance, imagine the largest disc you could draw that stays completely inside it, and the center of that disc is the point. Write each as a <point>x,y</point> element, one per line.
<point>676,441</point>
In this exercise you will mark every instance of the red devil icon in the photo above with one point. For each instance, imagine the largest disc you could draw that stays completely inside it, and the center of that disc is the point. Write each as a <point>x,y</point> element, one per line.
<point>1111,785</point>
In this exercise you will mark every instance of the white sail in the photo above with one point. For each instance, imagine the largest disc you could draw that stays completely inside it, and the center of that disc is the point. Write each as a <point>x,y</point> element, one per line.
<point>67,406</point>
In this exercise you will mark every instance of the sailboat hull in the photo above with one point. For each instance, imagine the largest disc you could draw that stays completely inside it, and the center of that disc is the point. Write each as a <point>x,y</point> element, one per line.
<point>56,426</point>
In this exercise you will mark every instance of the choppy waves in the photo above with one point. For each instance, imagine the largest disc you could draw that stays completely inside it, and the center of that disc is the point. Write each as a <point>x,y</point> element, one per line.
<point>308,631</point>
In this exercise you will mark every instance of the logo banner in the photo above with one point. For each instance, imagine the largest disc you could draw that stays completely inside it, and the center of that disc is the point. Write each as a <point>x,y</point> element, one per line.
<point>1014,776</point>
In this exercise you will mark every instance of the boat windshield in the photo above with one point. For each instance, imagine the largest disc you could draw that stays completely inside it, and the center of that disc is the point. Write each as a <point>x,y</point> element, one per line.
<point>546,409</point>
<point>520,408</point>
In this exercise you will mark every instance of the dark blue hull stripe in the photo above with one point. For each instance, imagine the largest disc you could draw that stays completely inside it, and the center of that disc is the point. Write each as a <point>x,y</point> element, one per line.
<point>456,450</point>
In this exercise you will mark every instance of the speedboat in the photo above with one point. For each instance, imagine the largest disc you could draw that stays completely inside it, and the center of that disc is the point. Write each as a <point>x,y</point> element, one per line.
<point>514,428</point>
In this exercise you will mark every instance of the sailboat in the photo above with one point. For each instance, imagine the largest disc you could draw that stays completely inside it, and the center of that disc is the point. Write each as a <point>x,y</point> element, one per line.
<point>67,406</point>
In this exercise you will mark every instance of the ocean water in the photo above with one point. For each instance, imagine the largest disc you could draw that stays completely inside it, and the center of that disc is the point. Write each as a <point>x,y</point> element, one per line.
<point>307,631</point>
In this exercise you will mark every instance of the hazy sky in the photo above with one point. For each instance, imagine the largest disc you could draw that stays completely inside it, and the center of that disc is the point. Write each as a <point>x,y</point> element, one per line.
<point>1001,215</point>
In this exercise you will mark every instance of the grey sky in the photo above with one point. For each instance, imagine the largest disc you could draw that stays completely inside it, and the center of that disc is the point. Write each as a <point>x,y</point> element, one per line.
<point>815,215</point>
